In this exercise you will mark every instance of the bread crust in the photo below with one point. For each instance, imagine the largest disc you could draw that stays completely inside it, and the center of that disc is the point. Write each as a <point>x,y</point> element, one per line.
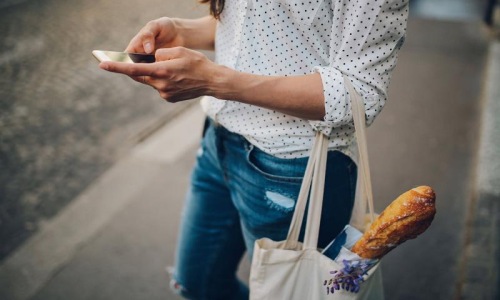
<point>405,218</point>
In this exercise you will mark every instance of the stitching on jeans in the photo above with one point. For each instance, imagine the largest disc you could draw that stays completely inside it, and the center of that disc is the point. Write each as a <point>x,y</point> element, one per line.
<point>267,175</point>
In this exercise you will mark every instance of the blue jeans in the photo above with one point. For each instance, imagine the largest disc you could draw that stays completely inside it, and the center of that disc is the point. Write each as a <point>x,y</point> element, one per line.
<point>238,194</point>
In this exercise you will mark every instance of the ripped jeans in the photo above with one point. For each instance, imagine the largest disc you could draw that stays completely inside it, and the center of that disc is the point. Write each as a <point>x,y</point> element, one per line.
<point>239,194</point>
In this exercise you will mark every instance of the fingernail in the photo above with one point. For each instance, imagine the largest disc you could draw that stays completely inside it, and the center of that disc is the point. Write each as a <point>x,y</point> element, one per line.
<point>104,66</point>
<point>148,48</point>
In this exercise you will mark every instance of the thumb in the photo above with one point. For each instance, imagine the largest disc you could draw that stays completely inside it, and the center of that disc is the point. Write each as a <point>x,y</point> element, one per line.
<point>148,42</point>
<point>143,42</point>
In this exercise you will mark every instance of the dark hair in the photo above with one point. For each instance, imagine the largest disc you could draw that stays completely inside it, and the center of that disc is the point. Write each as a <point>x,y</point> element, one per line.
<point>216,7</point>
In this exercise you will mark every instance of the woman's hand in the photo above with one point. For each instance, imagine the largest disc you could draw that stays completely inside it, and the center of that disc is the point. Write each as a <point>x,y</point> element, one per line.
<point>159,33</point>
<point>173,32</point>
<point>178,74</point>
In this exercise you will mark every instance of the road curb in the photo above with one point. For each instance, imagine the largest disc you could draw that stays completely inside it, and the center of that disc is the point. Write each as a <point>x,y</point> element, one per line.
<point>30,267</point>
<point>481,278</point>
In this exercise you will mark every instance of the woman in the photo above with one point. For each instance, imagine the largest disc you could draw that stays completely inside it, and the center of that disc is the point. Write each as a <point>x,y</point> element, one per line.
<point>276,79</point>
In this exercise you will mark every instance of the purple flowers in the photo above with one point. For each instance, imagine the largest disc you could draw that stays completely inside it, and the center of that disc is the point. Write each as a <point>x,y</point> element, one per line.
<point>350,277</point>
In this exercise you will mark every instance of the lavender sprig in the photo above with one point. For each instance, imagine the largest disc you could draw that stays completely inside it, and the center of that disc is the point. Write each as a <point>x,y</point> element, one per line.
<point>350,277</point>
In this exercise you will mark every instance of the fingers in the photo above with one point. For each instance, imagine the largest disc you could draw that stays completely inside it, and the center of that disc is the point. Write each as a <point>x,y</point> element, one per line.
<point>168,61</point>
<point>132,70</point>
<point>148,41</point>
<point>171,53</point>
<point>142,79</point>
<point>144,41</point>
<point>160,70</point>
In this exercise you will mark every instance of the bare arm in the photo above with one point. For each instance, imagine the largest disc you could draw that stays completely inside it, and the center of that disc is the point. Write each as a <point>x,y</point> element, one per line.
<point>299,96</point>
<point>180,74</point>
<point>197,33</point>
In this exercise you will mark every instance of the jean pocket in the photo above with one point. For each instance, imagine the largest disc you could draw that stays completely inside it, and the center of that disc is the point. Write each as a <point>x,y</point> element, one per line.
<point>274,168</point>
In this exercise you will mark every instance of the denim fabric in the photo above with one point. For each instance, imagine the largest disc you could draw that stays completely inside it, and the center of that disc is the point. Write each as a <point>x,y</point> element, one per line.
<point>238,194</point>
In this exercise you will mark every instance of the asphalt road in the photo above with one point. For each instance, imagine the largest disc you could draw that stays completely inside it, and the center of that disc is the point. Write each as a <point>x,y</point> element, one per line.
<point>62,120</point>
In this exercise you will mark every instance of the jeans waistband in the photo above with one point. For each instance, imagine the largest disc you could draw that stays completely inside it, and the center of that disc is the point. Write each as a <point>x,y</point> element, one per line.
<point>222,133</point>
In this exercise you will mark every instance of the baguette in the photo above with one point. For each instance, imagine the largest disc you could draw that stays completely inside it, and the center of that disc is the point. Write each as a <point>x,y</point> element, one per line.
<point>405,218</point>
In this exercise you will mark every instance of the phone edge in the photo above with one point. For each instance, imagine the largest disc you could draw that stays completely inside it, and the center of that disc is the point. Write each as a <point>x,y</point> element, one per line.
<point>100,56</point>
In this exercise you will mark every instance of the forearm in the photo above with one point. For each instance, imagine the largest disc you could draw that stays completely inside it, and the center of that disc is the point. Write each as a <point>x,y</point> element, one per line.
<point>299,96</point>
<point>197,33</point>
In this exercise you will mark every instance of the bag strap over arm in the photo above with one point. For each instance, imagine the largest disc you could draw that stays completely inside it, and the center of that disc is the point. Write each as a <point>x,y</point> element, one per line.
<point>315,175</point>
<point>364,178</point>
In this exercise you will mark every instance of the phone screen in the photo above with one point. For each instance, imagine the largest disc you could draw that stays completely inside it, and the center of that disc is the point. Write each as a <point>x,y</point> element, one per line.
<point>123,57</point>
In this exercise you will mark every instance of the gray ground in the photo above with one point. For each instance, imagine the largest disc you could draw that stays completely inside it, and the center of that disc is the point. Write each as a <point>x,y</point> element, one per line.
<point>427,134</point>
<point>63,121</point>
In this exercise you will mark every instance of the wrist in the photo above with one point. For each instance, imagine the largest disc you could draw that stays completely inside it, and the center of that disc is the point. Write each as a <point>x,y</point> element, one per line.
<point>238,86</point>
<point>196,33</point>
<point>180,31</point>
<point>223,83</point>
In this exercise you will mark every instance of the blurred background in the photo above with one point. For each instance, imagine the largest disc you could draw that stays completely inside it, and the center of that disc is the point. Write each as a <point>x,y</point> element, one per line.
<point>93,166</point>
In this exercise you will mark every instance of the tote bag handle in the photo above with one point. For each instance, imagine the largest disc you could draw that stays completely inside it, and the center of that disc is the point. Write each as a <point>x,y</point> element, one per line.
<point>314,182</point>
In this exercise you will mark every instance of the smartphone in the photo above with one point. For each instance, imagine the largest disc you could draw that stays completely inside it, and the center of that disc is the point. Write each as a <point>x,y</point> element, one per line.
<point>123,57</point>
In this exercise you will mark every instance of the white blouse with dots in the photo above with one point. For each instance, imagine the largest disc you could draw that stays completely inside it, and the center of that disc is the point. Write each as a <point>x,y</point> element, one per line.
<point>358,38</point>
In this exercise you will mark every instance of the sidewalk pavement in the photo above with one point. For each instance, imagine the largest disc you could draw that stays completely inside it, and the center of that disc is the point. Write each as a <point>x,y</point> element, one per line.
<point>115,240</point>
<point>481,279</point>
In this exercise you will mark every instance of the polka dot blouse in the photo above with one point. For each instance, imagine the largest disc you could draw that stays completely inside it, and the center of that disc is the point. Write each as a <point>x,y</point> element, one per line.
<point>358,38</point>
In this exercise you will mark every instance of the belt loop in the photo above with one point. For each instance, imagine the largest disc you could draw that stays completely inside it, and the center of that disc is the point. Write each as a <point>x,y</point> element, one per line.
<point>216,124</point>
<point>205,126</point>
<point>248,146</point>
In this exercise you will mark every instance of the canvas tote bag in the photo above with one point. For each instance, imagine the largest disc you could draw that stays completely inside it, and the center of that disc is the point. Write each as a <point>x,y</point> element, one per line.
<point>293,270</point>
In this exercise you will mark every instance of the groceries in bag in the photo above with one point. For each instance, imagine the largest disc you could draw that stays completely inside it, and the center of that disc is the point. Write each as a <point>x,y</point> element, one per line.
<point>405,218</point>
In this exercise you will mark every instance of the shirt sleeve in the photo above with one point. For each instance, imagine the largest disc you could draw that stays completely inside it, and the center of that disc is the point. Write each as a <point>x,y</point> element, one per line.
<point>364,44</point>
